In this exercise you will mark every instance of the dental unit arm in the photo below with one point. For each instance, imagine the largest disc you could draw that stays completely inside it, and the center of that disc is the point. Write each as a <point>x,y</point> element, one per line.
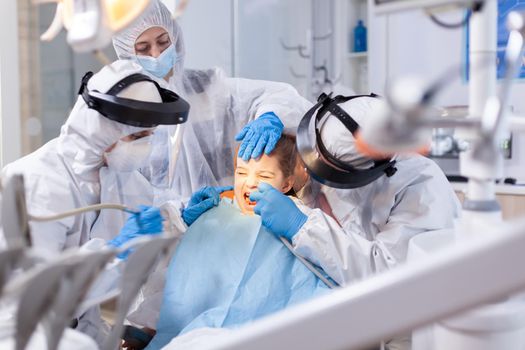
<point>53,290</point>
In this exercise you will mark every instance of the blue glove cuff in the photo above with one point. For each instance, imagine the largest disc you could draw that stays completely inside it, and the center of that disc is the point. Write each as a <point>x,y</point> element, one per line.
<point>272,118</point>
<point>113,243</point>
<point>295,224</point>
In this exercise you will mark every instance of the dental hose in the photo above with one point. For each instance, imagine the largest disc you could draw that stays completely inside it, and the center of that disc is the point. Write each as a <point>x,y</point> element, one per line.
<point>308,265</point>
<point>82,210</point>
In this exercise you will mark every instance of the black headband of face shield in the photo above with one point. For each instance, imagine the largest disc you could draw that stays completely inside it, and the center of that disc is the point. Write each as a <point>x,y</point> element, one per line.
<point>321,164</point>
<point>172,110</point>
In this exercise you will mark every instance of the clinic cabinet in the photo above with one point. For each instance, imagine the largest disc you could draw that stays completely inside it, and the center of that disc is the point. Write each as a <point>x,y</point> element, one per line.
<point>511,198</point>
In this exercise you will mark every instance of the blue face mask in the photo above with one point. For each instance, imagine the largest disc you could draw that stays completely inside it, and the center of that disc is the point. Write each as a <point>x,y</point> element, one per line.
<point>161,65</point>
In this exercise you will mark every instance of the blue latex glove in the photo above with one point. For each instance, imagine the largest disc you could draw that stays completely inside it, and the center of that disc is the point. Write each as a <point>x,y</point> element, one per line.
<point>258,135</point>
<point>279,213</point>
<point>202,200</point>
<point>147,221</point>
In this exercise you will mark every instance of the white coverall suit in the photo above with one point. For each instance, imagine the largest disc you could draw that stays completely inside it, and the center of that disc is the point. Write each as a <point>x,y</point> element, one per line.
<point>64,173</point>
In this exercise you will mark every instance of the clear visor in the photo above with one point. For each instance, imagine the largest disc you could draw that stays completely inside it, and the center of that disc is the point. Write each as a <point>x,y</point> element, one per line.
<point>152,184</point>
<point>160,170</point>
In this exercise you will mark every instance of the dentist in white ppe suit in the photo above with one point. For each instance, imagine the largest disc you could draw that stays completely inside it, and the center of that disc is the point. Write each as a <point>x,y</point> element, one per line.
<point>64,174</point>
<point>355,233</point>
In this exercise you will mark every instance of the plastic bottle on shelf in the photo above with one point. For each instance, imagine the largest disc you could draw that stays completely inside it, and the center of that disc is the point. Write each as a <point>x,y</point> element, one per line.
<point>360,37</point>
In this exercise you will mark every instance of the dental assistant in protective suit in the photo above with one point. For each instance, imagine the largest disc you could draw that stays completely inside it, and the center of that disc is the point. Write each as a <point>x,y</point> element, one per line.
<point>362,227</point>
<point>65,173</point>
<point>220,108</point>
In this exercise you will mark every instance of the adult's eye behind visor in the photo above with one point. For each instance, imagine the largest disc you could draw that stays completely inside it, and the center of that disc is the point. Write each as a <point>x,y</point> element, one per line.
<point>172,110</point>
<point>320,163</point>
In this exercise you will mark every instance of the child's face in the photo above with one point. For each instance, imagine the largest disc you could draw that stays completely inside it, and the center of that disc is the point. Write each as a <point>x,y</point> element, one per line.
<point>249,174</point>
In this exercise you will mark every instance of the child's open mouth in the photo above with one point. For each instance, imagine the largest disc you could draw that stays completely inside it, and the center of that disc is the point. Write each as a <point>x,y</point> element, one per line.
<point>248,201</point>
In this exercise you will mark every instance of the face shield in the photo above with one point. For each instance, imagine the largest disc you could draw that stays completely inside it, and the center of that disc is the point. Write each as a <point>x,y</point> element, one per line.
<point>161,173</point>
<point>164,117</point>
<point>172,110</point>
<point>350,171</point>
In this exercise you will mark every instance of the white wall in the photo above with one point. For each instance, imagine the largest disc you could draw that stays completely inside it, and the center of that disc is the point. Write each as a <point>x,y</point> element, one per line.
<point>409,43</point>
<point>207,29</point>
<point>61,72</point>
<point>253,50</point>
<point>10,134</point>
<point>262,25</point>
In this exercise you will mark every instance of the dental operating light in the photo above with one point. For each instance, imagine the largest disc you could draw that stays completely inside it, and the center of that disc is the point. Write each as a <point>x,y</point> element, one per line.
<point>92,23</point>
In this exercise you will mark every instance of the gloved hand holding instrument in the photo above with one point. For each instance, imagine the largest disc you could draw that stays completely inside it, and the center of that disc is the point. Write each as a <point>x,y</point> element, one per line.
<point>202,200</point>
<point>147,221</point>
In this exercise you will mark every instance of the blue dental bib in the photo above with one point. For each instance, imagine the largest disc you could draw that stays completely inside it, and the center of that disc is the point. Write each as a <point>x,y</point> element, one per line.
<point>227,271</point>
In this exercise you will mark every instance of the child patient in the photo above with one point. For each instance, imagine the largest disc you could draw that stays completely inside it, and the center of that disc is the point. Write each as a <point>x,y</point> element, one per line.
<point>227,269</point>
<point>276,169</point>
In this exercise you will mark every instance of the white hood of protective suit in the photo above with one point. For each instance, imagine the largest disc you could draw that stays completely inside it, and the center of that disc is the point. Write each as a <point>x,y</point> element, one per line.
<point>157,15</point>
<point>339,141</point>
<point>87,134</point>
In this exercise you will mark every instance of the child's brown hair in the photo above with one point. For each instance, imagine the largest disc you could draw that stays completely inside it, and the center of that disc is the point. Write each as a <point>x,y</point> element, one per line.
<point>286,153</point>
